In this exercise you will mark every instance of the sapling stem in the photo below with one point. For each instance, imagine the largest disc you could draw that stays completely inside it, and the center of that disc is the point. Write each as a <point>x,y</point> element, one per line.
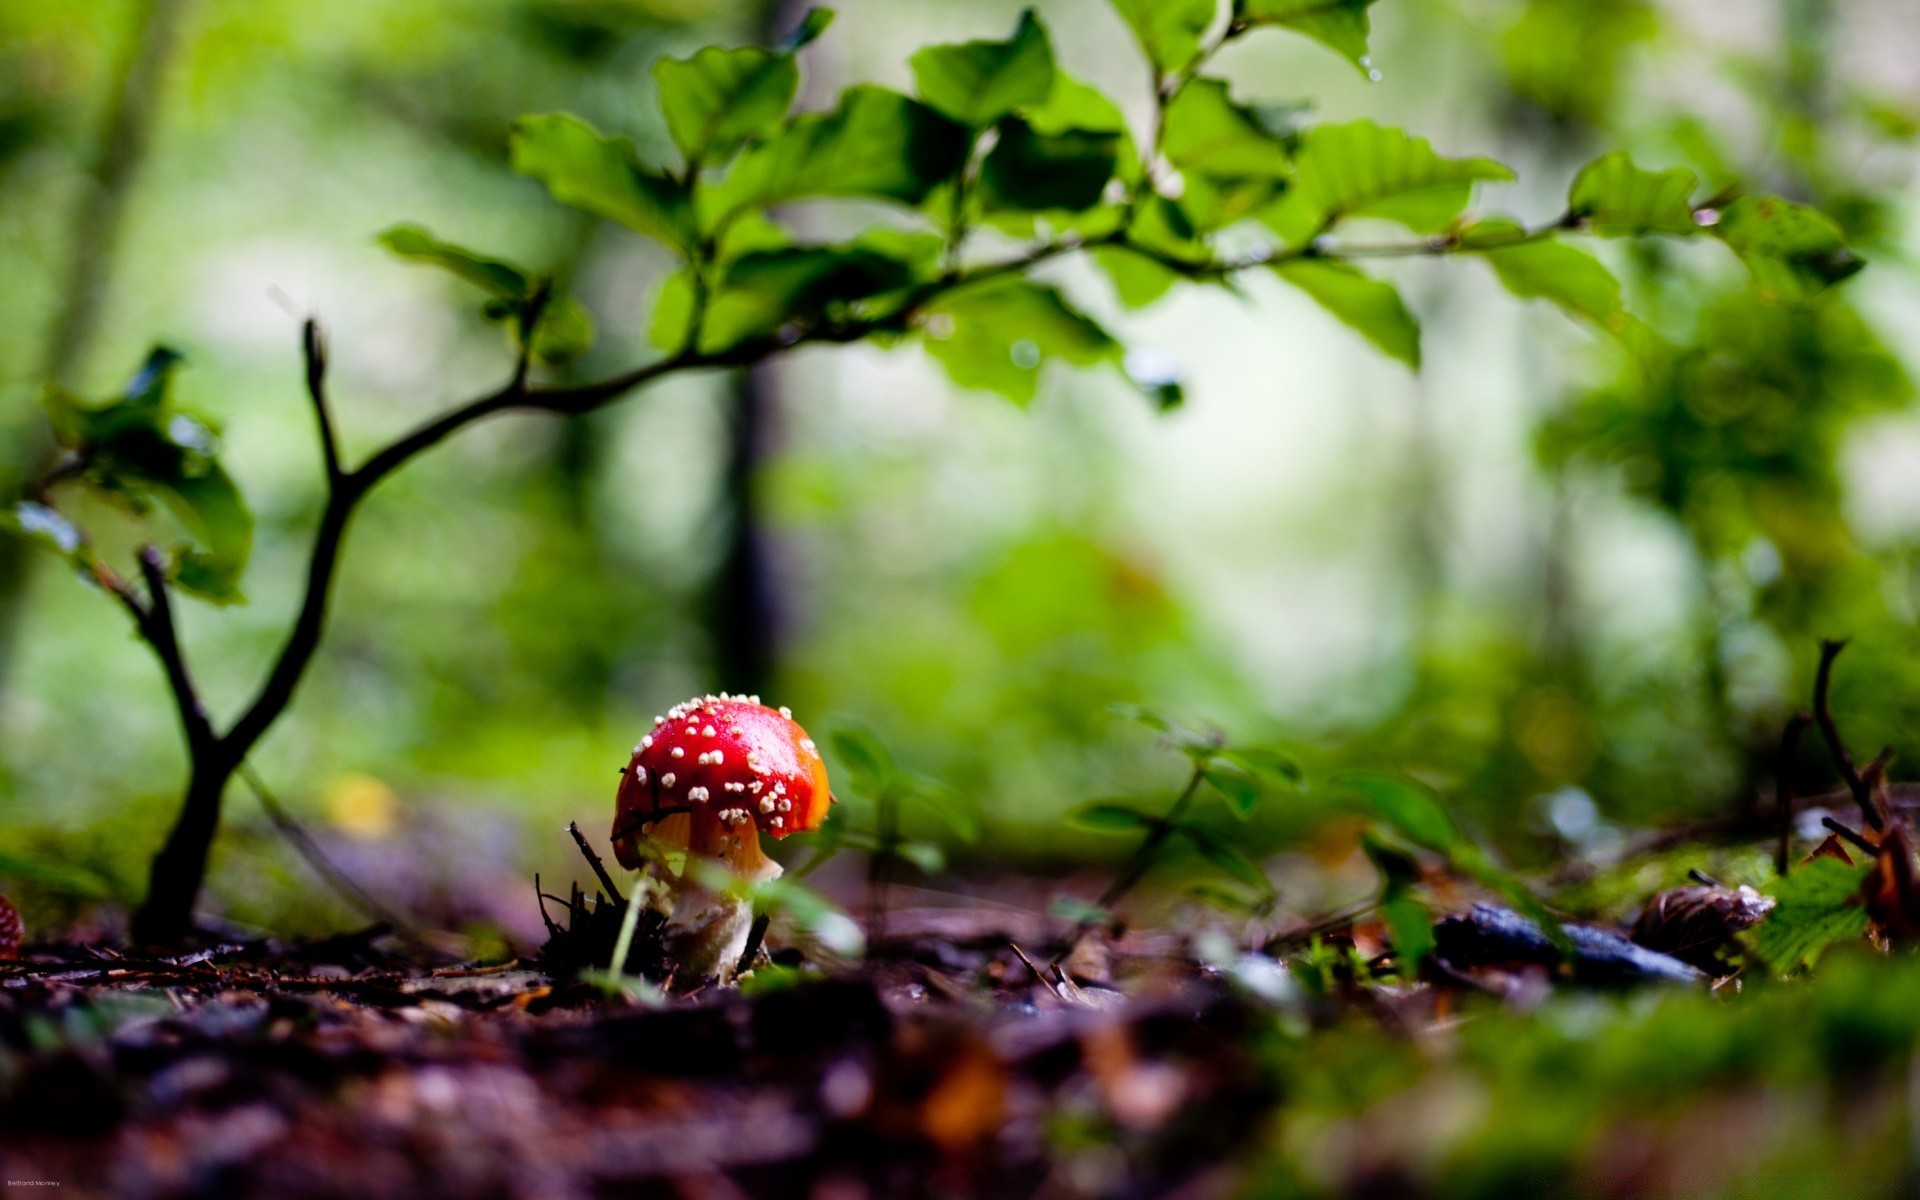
<point>1142,858</point>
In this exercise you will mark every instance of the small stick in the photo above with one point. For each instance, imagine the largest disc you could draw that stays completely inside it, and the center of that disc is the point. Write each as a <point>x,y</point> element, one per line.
<point>1042,980</point>
<point>593,860</point>
<point>755,937</point>
<point>1783,788</point>
<point>1702,878</point>
<point>1836,745</point>
<point>1849,835</point>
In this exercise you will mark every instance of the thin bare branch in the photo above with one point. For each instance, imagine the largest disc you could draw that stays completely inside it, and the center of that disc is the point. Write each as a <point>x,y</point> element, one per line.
<point>1830,730</point>
<point>157,627</point>
<point>314,344</point>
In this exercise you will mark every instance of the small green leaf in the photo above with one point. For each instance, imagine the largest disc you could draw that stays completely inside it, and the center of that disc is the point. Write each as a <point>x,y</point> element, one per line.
<point>1793,252</point>
<point>1340,25</point>
<point>209,504</point>
<point>493,276</point>
<point>926,857</point>
<point>765,290</point>
<point>1270,765</point>
<point>1360,169</point>
<point>1410,925</point>
<point>1407,807</point>
<point>1031,171</point>
<point>977,83</point>
<point>1207,132</point>
<point>564,331</point>
<point>809,30</point>
<point>997,336</point>
<point>1371,307</point>
<point>1618,199</point>
<point>1817,905</point>
<point>1242,791</point>
<point>1549,269</point>
<point>877,143</point>
<point>861,753</point>
<point>1231,162</point>
<point>1228,859</point>
<point>1170,31</point>
<point>584,169</point>
<point>1138,281</point>
<point>1112,818</point>
<point>719,98</point>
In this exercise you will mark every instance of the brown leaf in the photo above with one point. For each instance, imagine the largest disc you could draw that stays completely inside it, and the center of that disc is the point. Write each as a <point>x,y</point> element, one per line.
<point>1890,891</point>
<point>1831,848</point>
<point>1694,924</point>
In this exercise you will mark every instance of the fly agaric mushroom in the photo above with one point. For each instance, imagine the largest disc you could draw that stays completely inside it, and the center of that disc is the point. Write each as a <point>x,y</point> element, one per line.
<point>713,775</point>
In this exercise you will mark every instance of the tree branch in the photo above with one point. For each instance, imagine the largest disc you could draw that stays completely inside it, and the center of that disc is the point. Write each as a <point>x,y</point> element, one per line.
<point>1830,730</point>
<point>314,346</point>
<point>155,621</point>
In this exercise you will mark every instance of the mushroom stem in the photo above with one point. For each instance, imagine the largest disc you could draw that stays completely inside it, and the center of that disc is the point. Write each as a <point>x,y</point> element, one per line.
<point>707,934</point>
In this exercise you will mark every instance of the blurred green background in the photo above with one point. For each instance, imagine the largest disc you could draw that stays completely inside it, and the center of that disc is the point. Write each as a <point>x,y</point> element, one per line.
<point>1574,599</point>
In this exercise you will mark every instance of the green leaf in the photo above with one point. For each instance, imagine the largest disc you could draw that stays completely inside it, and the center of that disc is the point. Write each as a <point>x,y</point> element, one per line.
<point>1407,807</point>
<point>142,448</point>
<point>1031,171</point>
<point>1207,132</point>
<point>926,857</point>
<point>1228,859</point>
<point>977,83</point>
<point>1617,199</point>
<point>996,336</point>
<point>491,275</point>
<point>1270,765</point>
<point>861,753</point>
<point>1369,306</point>
<point>1818,905</point>
<point>719,98</point>
<point>1137,280</point>
<point>1074,106</point>
<point>877,143</point>
<point>765,290</point>
<point>1170,31</point>
<point>564,331</point>
<point>1360,169</point>
<point>1112,818</point>
<point>1793,252</point>
<point>1549,269</point>
<point>1241,790</point>
<point>1410,925</point>
<point>209,504</point>
<point>584,169</point>
<point>810,28</point>
<point>1231,161</point>
<point>1340,25</point>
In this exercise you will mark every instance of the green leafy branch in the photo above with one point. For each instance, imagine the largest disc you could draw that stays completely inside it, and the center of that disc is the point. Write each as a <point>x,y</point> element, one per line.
<point>996,139</point>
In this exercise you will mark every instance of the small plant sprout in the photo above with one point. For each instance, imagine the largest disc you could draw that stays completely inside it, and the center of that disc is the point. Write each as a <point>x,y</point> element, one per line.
<point>1241,775</point>
<point>714,774</point>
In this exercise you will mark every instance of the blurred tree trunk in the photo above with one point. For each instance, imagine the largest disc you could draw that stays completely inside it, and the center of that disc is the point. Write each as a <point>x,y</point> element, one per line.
<point>743,604</point>
<point>126,127</point>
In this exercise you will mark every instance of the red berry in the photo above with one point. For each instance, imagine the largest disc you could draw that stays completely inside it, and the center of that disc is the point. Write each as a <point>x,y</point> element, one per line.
<point>715,773</point>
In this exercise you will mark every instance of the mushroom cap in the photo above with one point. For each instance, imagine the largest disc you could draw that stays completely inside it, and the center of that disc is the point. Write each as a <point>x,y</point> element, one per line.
<point>715,773</point>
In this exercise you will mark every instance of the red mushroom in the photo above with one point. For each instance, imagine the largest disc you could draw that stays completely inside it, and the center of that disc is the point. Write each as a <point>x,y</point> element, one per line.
<point>713,775</point>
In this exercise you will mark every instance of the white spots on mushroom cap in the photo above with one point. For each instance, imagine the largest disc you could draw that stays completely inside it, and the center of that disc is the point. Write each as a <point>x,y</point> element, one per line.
<point>697,795</point>
<point>707,731</point>
<point>786,712</point>
<point>668,780</point>
<point>807,745</point>
<point>639,774</point>
<point>766,805</point>
<point>677,752</point>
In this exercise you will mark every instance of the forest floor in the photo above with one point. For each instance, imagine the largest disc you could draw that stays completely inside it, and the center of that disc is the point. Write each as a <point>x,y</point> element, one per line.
<point>961,1058</point>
